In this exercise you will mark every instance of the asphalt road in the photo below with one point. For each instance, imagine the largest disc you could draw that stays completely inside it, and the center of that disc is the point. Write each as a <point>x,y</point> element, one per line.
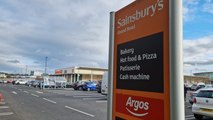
<point>27,103</point>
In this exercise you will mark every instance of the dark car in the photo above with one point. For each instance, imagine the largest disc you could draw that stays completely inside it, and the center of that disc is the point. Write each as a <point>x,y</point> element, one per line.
<point>13,82</point>
<point>30,83</point>
<point>197,87</point>
<point>89,86</point>
<point>9,81</point>
<point>98,86</point>
<point>78,85</point>
<point>35,83</point>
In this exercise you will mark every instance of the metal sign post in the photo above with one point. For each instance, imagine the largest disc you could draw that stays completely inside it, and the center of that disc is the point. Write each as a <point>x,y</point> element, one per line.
<point>176,61</point>
<point>110,66</point>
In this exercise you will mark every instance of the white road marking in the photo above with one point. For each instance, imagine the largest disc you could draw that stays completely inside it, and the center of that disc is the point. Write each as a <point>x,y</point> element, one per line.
<point>79,111</point>
<point>192,118</point>
<point>14,92</point>
<point>49,100</point>
<point>2,103</point>
<point>189,117</point>
<point>101,101</point>
<point>26,92</point>
<point>3,107</point>
<point>6,113</point>
<point>34,95</point>
<point>189,106</point>
<point>93,98</point>
<point>39,92</point>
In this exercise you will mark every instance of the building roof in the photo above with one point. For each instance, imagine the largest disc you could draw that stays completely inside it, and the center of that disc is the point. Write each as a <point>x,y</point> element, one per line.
<point>203,73</point>
<point>83,67</point>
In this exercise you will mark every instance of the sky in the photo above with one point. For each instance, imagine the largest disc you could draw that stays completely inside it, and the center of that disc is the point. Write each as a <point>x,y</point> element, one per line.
<point>76,33</point>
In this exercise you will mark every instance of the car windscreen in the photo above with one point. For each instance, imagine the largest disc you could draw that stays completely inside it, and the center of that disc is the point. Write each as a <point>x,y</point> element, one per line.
<point>202,86</point>
<point>205,94</point>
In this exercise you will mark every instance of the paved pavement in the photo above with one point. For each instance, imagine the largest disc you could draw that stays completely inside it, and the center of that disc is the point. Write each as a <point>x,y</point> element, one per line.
<point>27,103</point>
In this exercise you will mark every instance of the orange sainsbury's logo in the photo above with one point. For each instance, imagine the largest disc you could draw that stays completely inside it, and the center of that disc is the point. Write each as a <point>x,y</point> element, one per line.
<point>139,14</point>
<point>137,105</point>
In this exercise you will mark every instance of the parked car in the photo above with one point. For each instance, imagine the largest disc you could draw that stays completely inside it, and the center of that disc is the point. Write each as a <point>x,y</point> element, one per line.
<point>203,103</point>
<point>78,85</point>
<point>209,86</point>
<point>14,82</point>
<point>188,86</point>
<point>35,83</point>
<point>192,95</point>
<point>30,82</point>
<point>197,86</point>
<point>98,86</point>
<point>89,86</point>
<point>104,85</point>
<point>9,81</point>
<point>21,82</point>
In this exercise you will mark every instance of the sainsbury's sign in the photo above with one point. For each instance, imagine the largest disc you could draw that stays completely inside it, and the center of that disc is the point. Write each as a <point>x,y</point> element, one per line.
<point>140,14</point>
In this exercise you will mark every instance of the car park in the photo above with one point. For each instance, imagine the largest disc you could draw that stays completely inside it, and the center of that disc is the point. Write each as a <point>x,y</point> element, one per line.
<point>203,103</point>
<point>89,86</point>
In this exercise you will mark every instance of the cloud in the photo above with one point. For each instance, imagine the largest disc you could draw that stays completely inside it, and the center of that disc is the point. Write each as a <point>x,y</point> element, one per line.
<point>208,6</point>
<point>189,9</point>
<point>69,32</point>
<point>198,53</point>
<point>13,61</point>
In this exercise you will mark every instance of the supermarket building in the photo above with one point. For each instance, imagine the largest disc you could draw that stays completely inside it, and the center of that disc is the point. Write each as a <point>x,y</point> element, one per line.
<point>73,74</point>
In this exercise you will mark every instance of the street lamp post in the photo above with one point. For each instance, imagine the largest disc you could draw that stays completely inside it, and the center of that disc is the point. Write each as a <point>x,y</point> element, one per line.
<point>45,71</point>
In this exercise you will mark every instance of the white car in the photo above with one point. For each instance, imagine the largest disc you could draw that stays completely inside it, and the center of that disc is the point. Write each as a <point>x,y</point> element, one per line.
<point>21,82</point>
<point>104,84</point>
<point>209,86</point>
<point>203,103</point>
<point>192,95</point>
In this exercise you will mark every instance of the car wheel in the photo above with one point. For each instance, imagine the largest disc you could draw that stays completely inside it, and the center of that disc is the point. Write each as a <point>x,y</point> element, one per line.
<point>88,89</point>
<point>99,91</point>
<point>198,117</point>
<point>80,88</point>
